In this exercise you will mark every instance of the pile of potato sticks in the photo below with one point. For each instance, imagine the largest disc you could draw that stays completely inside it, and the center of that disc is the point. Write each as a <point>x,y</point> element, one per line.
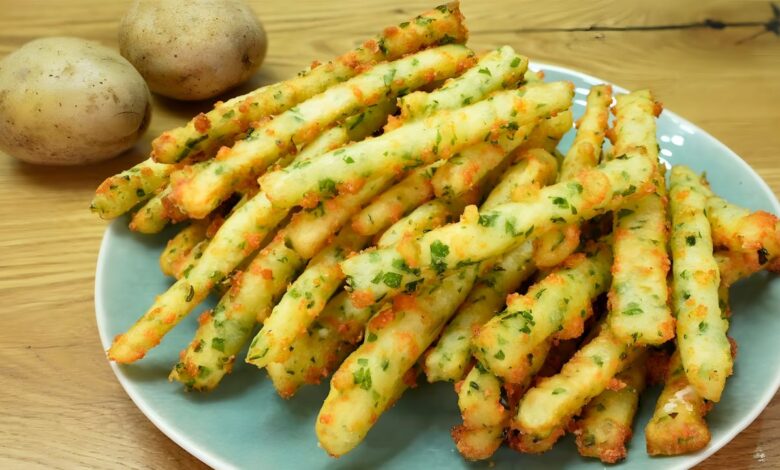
<point>403,208</point>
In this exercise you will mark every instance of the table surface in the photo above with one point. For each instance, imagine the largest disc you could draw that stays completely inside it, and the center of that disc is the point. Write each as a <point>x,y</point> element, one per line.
<point>61,405</point>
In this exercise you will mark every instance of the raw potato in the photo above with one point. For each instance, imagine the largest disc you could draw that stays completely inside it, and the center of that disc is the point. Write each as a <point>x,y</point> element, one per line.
<point>192,50</point>
<point>68,101</point>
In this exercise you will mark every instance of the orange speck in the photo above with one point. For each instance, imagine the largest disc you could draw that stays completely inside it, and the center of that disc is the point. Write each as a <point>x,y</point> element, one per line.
<point>204,317</point>
<point>310,201</point>
<point>404,302</point>
<point>361,298</point>
<point>202,123</point>
<point>381,319</point>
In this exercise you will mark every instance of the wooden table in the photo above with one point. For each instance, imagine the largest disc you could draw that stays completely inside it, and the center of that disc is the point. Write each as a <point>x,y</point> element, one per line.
<point>60,405</point>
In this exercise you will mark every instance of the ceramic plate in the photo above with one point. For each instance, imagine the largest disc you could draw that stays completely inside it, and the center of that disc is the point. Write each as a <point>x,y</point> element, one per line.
<point>244,424</point>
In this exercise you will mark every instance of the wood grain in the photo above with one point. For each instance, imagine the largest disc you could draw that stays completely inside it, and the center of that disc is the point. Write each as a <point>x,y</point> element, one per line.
<point>61,405</point>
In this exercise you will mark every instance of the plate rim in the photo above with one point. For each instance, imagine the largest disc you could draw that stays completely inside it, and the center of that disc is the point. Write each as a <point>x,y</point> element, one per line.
<point>214,461</point>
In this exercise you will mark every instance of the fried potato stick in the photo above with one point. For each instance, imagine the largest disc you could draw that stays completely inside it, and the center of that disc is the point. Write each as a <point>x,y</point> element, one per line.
<point>701,328</point>
<point>181,244</point>
<point>639,298</point>
<point>119,193</point>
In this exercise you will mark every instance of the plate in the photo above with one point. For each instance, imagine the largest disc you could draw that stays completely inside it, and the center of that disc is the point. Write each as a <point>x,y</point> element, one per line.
<point>244,424</point>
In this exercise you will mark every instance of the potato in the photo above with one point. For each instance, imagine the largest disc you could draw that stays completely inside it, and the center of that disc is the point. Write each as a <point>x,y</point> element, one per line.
<point>192,49</point>
<point>68,101</point>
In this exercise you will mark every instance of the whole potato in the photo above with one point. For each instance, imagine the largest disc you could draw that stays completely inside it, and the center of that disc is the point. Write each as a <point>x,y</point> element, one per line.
<point>192,49</point>
<point>67,101</point>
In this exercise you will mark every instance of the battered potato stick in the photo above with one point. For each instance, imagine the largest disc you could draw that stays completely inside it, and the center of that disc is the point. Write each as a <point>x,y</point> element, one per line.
<point>639,298</point>
<point>119,193</point>
<point>181,244</point>
<point>189,259</point>
<point>701,328</point>
<point>329,216</point>
<point>339,327</point>
<point>554,246</point>
<point>303,301</point>
<point>199,193</point>
<point>548,132</point>
<point>466,169</point>
<point>485,418</point>
<point>428,216</point>
<point>362,388</point>
<point>606,423</point>
<point>553,401</point>
<point>391,205</point>
<point>557,306</point>
<point>449,358</point>
<point>677,426</point>
<point>223,332</point>
<point>496,70</point>
<point>207,132</point>
<point>418,143</point>
<point>236,239</point>
<point>756,234</point>
<point>496,231</point>
<point>154,215</point>
<point>592,126</point>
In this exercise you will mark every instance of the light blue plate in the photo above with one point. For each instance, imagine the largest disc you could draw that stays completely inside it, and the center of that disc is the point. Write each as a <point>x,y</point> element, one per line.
<point>244,424</point>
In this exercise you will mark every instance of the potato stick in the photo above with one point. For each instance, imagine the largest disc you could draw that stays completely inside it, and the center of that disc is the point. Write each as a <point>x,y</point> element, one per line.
<point>557,306</point>
<point>548,132</point>
<point>485,418</point>
<point>119,193</point>
<point>533,76</point>
<point>185,263</point>
<point>498,69</point>
<point>181,244</point>
<point>606,424</point>
<point>535,169</point>
<point>153,216</point>
<point>334,334</point>
<point>734,266</point>
<point>428,216</point>
<point>469,167</point>
<point>198,193</point>
<point>222,333</point>
<point>391,205</point>
<point>330,215</point>
<point>554,246</point>
<point>498,230</point>
<point>419,142</point>
<point>206,133</point>
<point>231,245</point>
<point>591,128</point>
<point>303,301</point>
<point>756,234</point>
<point>701,328</point>
<point>362,387</point>
<point>553,401</point>
<point>639,298</point>
<point>677,426</point>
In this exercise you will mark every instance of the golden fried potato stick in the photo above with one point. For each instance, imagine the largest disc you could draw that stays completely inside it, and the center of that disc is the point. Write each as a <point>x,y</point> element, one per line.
<point>556,307</point>
<point>754,234</point>
<point>181,245</point>
<point>448,359</point>
<point>237,238</point>
<point>419,142</point>
<point>303,301</point>
<point>396,202</point>
<point>485,418</point>
<point>207,132</point>
<point>701,328</point>
<point>339,327</point>
<point>496,231</point>
<point>499,69</point>
<point>677,426</point>
<point>553,401</point>
<point>198,193</point>
<point>119,193</point>
<point>606,421</point>
<point>548,132</point>
<point>362,388</point>
<point>553,247</point>
<point>152,216</point>
<point>639,298</point>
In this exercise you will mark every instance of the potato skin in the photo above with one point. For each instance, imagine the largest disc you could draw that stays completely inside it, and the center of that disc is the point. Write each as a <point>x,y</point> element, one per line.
<point>192,49</point>
<point>68,101</point>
